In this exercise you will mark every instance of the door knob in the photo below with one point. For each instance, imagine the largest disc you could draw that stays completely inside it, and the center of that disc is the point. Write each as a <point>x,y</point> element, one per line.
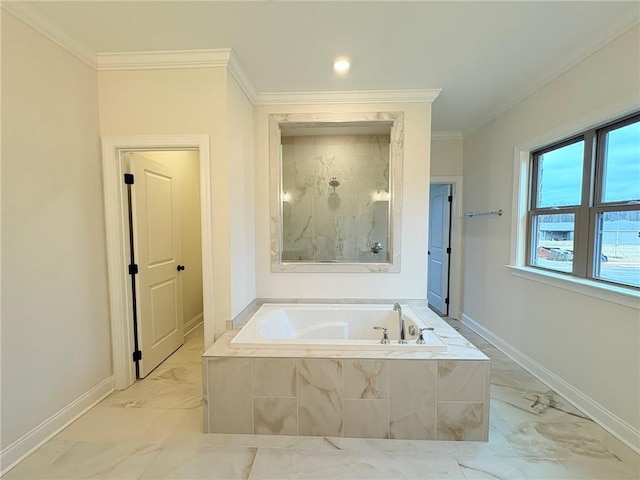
<point>180,268</point>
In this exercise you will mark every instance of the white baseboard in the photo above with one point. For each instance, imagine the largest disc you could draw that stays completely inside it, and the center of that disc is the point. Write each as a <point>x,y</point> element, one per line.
<point>36,437</point>
<point>625,432</point>
<point>192,324</point>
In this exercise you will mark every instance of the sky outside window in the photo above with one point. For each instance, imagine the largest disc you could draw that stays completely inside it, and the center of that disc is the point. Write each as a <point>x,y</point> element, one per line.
<point>622,164</point>
<point>560,176</point>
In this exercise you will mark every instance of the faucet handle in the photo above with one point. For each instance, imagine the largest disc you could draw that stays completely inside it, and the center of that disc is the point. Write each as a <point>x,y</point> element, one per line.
<point>420,340</point>
<point>385,338</point>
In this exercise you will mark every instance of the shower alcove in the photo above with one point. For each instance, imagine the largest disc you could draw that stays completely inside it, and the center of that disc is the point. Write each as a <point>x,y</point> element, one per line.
<point>336,197</point>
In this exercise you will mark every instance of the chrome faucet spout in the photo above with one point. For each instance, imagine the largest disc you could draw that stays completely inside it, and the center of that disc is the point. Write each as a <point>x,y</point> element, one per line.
<point>398,308</point>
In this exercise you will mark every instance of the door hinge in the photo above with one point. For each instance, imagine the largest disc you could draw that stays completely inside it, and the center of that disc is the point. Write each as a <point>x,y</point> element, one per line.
<point>450,198</point>
<point>133,269</point>
<point>128,178</point>
<point>449,250</point>
<point>446,301</point>
<point>137,355</point>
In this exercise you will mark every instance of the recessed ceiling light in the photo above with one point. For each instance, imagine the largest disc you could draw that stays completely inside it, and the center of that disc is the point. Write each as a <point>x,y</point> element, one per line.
<point>341,65</point>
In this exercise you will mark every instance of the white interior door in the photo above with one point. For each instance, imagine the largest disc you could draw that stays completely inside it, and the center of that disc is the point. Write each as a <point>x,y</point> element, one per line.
<point>438,267</point>
<point>157,249</point>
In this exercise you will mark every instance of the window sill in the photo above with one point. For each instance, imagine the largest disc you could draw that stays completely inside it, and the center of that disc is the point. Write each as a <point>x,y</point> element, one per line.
<point>610,293</point>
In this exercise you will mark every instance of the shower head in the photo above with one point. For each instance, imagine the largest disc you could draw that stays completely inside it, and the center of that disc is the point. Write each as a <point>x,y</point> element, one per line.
<point>334,182</point>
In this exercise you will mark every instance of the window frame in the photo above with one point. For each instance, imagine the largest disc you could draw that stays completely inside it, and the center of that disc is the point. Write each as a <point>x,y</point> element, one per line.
<point>591,206</point>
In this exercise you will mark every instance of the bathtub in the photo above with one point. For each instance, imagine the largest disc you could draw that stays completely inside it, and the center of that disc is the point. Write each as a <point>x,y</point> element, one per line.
<point>333,327</point>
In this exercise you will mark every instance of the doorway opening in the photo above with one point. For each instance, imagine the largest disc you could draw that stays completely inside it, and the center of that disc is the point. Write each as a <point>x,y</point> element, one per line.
<point>167,294</point>
<point>163,203</point>
<point>450,237</point>
<point>439,252</point>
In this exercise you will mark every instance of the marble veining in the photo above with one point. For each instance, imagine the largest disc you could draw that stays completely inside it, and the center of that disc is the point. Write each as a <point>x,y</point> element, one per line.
<point>529,405</point>
<point>459,421</point>
<point>567,441</point>
<point>461,381</point>
<point>114,442</point>
<point>275,416</point>
<point>320,397</point>
<point>366,379</point>
<point>319,228</point>
<point>321,222</point>
<point>355,393</point>
<point>412,411</point>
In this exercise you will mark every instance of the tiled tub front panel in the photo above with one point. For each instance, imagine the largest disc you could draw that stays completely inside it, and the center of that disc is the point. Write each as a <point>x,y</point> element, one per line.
<point>401,399</point>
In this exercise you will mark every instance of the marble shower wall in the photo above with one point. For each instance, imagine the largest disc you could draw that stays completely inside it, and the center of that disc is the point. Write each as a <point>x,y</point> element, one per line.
<point>323,224</point>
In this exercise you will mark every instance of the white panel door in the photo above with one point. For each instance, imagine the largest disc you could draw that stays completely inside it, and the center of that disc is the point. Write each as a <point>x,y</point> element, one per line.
<point>156,220</point>
<point>438,267</point>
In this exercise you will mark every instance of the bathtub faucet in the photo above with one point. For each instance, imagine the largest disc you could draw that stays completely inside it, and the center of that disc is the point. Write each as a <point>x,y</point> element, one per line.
<point>398,308</point>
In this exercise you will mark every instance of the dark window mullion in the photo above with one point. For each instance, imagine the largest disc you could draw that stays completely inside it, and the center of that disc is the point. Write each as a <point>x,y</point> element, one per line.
<point>533,183</point>
<point>583,238</point>
<point>533,200</point>
<point>598,193</point>
<point>530,240</point>
<point>555,210</point>
<point>595,249</point>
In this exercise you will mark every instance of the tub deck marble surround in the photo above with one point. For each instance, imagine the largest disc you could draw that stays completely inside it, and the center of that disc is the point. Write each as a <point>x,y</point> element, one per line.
<point>394,394</point>
<point>154,431</point>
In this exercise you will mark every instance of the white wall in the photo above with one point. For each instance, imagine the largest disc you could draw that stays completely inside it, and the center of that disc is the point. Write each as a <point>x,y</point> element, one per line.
<point>187,164</point>
<point>55,318</point>
<point>180,101</point>
<point>411,282</point>
<point>446,157</point>
<point>590,343</point>
<point>241,197</point>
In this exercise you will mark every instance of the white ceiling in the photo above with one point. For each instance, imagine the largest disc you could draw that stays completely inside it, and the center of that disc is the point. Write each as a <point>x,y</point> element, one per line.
<point>486,56</point>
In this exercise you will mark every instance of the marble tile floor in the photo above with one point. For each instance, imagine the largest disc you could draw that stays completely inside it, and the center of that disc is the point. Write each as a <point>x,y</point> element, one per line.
<point>153,431</point>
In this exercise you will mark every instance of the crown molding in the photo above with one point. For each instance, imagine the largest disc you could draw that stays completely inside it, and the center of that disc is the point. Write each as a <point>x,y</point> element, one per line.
<point>224,57</point>
<point>33,17</point>
<point>217,58</point>
<point>446,135</point>
<point>242,77</point>
<point>358,96</point>
<point>164,59</point>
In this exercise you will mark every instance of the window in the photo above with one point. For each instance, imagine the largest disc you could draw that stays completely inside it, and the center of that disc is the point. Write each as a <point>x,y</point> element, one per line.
<point>584,205</point>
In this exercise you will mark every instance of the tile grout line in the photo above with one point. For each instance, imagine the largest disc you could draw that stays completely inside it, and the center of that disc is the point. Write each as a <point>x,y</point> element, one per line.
<point>297,374</point>
<point>253,408</point>
<point>435,435</point>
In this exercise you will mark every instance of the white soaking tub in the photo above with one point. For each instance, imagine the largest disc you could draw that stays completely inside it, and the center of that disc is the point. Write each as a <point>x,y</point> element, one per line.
<point>333,327</point>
